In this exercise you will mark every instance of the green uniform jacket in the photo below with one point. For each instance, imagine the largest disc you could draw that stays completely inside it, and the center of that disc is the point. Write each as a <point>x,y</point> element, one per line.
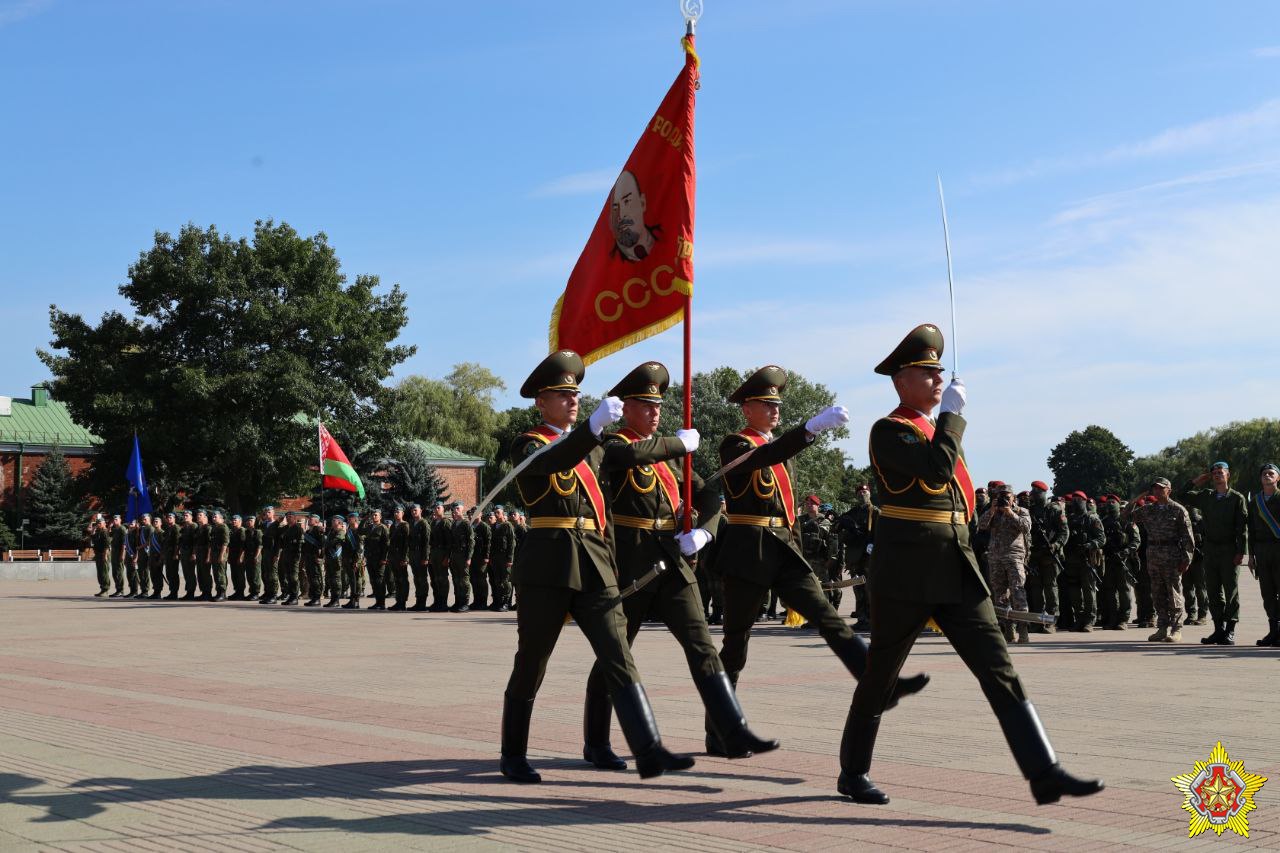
<point>1226,520</point>
<point>920,561</point>
<point>483,539</point>
<point>1260,534</point>
<point>375,538</point>
<point>290,543</point>
<point>398,542</point>
<point>270,541</point>
<point>419,536</point>
<point>312,550</point>
<point>502,548</point>
<point>219,538</point>
<point>252,545</point>
<point>561,556</point>
<point>235,544</point>
<point>187,540</point>
<point>742,551</point>
<point>117,534</point>
<point>201,539</point>
<point>101,543</point>
<point>438,538</point>
<point>352,546</point>
<point>633,490</point>
<point>461,538</point>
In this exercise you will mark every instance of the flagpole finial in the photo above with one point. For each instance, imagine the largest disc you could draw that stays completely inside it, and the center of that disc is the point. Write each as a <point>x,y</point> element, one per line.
<point>692,11</point>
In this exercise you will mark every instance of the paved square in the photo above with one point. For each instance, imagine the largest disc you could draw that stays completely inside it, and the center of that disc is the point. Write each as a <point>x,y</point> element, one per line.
<point>173,726</point>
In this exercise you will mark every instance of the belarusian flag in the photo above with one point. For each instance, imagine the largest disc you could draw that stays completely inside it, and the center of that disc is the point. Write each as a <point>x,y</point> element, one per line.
<point>336,472</point>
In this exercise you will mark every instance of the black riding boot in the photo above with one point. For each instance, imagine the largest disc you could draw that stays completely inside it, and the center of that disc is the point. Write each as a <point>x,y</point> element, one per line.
<point>1036,759</point>
<point>856,747</point>
<point>635,715</point>
<point>735,740</point>
<point>515,740</point>
<point>597,714</point>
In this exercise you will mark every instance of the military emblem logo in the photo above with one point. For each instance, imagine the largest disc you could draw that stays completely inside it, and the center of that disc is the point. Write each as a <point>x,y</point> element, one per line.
<point>1218,794</point>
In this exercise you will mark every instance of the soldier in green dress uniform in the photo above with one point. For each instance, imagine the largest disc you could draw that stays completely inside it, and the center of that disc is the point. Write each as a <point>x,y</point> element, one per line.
<point>352,562</point>
<point>376,538</point>
<point>219,542</point>
<point>311,556</point>
<point>760,550</point>
<point>117,534</point>
<point>645,505</point>
<point>235,558</point>
<point>100,540</point>
<point>420,530</point>
<point>290,544</point>
<point>398,550</point>
<point>271,528</point>
<point>566,568</point>
<point>461,544</point>
<point>923,568</point>
<point>251,558</point>
<point>502,551</point>
<point>436,564</point>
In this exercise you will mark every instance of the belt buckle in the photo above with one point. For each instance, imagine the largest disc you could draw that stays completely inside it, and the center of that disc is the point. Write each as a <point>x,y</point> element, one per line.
<point>957,518</point>
<point>657,524</point>
<point>580,523</point>
<point>774,521</point>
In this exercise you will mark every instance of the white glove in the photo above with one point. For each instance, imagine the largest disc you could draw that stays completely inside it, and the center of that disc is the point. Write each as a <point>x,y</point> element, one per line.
<point>692,541</point>
<point>828,418</point>
<point>953,399</point>
<point>609,410</point>
<point>690,439</point>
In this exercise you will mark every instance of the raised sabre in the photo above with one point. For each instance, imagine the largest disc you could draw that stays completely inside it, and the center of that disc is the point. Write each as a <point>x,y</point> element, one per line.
<point>474,512</point>
<point>951,286</point>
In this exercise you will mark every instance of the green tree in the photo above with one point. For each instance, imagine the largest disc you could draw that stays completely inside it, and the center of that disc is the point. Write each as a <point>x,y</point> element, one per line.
<point>1092,460</point>
<point>233,348</point>
<point>406,477</point>
<point>52,505</point>
<point>7,539</point>
<point>456,411</point>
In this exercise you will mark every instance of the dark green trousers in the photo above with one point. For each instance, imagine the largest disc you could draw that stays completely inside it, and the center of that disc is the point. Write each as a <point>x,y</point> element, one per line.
<point>398,585</point>
<point>1267,562</point>
<point>439,574</point>
<point>679,606</point>
<point>172,572</point>
<point>540,618</point>
<point>971,628</point>
<point>117,571</point>
<point>1222,576</point>
<point>1194,589</point>
<point>500,581</point>
<point>798,589</point>
<point>103,565</point>
<point>290,584</point>
<point>1042,583</point>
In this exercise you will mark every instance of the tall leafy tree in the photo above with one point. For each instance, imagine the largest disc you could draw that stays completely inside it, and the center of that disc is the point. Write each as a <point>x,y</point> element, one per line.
<point>456,411</point>
<point>232,349</point>
<point>409,478</point>
<point>1244,445</point>
<point>1092,460</point>
<point>52,505</point>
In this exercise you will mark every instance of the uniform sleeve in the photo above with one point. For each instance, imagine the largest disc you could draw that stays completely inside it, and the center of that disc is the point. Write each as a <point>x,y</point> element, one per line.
<point>620,455</point>
<point>561,455</point>
<point>780,449</point>
<point>1186,537</point>
<point>1241,525</point>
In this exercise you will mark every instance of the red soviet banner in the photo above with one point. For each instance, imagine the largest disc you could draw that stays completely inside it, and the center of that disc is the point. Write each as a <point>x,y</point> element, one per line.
<point>636,271</point>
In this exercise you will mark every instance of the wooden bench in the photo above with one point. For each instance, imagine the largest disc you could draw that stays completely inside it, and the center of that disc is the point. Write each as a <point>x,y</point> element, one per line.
<point>16,554</point>
<point>64,554</point>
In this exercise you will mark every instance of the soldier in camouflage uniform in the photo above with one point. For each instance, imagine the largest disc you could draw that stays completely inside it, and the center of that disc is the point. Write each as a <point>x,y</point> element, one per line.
<point>352,562</point>
<point>479,571</point>
<point>219,540</point>
<point>398,557</point>
<point>461,542</point>
<point>1123,539</point>
<point>439,548</point>
<point>290,545</point>
<point>502,551</point>
<point>815,542</point>
<point>1049,534</point>
<point>271,530</point>
<point>1194,586</point>
<point>235,558</point>
<point>1167,528</point>
<point>1008,527</point>
<point>1081,560</point>
<point>335,536</point>
<point>376,539</point>
<point>1226,545</point>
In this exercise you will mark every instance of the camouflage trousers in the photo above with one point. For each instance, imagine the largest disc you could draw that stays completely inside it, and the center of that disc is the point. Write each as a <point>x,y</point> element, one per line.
<point>1008,581</point>
<point>1166,593</point>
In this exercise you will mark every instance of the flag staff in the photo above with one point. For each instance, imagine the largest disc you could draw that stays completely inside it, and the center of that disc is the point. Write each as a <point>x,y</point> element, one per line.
<point>692,11</point>
<point>320,460</point>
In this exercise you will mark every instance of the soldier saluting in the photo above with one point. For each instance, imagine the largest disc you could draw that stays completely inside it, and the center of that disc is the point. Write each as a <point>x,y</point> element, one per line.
<point>566,568</point>
<point>923,567</point>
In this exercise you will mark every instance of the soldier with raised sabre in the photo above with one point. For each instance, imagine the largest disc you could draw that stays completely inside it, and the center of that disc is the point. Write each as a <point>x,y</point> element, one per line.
<point>922,568</point>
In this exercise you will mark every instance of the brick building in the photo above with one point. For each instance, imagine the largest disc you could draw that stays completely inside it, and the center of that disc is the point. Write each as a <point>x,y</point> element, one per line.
<point>461,473</point>
<point>29,429</point>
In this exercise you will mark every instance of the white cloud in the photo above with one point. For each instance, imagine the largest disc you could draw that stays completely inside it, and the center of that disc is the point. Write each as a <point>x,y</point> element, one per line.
<point>1272,52</point>
<point>579,183</point>
<point>11,13</point>
<point>1109,203</point>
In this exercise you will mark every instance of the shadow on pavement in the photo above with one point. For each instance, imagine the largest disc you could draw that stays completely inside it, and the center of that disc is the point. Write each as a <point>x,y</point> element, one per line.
<point>475,813</point>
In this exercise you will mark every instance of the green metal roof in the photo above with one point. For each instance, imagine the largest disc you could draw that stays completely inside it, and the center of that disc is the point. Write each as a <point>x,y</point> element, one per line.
<point>47,424</point>
<point>440,453</point>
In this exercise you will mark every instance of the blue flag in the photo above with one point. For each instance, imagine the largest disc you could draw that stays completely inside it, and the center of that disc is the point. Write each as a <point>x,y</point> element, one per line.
<point>139,499</point>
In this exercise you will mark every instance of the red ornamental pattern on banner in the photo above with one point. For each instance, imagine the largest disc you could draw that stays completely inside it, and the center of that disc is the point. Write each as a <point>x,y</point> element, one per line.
<point>636,271</point>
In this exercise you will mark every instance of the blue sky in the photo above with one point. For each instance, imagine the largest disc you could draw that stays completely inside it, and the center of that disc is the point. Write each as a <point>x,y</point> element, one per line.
<point>1112,173</point>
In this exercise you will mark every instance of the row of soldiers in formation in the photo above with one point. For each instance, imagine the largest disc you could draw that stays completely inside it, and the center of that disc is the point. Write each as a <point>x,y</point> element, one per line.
<point>288,556</point>
<point>1088,562</point>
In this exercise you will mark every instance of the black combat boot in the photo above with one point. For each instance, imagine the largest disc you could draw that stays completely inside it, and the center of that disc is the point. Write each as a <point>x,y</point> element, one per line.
<point>313,601</point>
<point>732,737</point>
<point>333,601</point>
<point>268,598</point>
<point>235,596</point>
<point>597,714</point>
<point>635,715</point>
<point>156,596</point>
<point>399,605</point>
<point>460,608</point>
<point>1271,635</point>
<point>1228,635</point>
<point>353,604</point>
<point>1214,638</point>
<point>515,740</point>
<point>419,604</point>
<point>1036,759</point>
<point>856,747</point>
